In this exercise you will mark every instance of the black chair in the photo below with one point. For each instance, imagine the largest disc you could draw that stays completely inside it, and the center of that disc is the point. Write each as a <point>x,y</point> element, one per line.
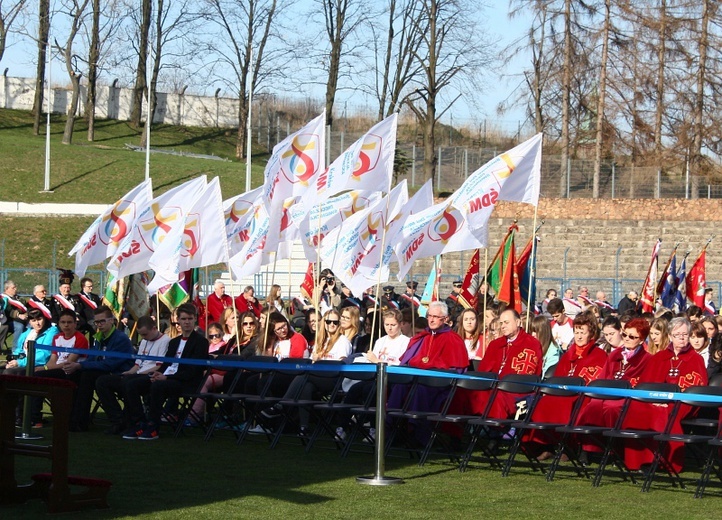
<point>644,438</point>
<point>712,463</point>
<point>476,382</point>
<point>572,432</point>
<point>523,384</point>
<point>689,439</point>
<point>708,418</point>
<point>556,389</point>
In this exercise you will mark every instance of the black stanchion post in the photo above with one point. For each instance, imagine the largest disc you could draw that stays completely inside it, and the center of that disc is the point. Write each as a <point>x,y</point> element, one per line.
<point>27,400</point>
<point>379,479</point>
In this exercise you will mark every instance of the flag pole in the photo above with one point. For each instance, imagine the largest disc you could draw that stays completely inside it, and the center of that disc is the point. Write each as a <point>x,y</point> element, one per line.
<point>486,285</point>
<point>532,274</point>
<point>378,278</point>
<point>205,310</point>
<point>235,311</point>
<point>290,296</point>
<point>273,280</point>
<point>649,271</point>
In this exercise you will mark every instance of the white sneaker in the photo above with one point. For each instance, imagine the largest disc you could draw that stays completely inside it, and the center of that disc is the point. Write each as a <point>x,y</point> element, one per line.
<point>372,434</point>
<point>341,433</point>
<point>259,430</point>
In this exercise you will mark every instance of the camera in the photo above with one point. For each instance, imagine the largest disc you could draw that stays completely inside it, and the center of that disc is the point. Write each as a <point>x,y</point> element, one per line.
<point>12,357</point>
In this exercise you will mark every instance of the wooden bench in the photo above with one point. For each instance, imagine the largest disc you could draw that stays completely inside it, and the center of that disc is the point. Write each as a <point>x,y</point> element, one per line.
<point>53,487</point>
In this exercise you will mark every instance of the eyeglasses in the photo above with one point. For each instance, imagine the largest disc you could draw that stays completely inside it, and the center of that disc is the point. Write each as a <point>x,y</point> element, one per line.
<point>345,317</point>
<point>680,336</point>
<point>214,336</point>
<point>625,335</point>
<point>249,323</point>
<point>174,323</point>
<point>433,317</point>
<point>104,320</point>
<point>43,290</point>
<point>333,322</point>
<point>281,328</point>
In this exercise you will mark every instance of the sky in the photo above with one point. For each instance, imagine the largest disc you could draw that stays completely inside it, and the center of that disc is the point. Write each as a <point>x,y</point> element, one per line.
<point>19,59</point>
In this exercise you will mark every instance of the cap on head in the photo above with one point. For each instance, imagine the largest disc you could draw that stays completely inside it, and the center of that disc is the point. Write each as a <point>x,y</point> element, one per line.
<point>66,277</point>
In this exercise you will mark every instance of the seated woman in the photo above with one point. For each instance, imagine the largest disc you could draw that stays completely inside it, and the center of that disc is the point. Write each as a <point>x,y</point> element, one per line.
<point>214,332</point>
<point>612,334</point>
<point>678,364</point>
<point>351,326</point>
<point>312,317</point>
<point>699,341</point>
<point>373,330</point>
<point>658,336</point>
<point>542,330</point>
<point>469,328</point>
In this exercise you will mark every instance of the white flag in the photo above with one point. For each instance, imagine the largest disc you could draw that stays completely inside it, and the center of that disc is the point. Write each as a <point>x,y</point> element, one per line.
<point>324,217</point>
<point>249,258</point>
<point>283,229</point>
<point>203,241</point>
<point>434,231</point>
<point>295,162</point>
<point>162,219</point>
<point>514,176</point>
<point>367,164</point>
<point>236,214</point>
<point>103,237</point>
<point>359,239</point>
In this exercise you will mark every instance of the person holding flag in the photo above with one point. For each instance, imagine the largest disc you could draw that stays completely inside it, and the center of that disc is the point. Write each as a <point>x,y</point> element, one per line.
<point>453,302</point>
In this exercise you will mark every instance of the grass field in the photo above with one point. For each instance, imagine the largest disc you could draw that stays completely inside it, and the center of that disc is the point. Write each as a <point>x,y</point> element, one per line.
<point>189,478</point>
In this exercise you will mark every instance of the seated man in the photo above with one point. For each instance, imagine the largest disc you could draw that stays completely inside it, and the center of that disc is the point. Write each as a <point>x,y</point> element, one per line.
<point>154,343</point>
<point>170,380</point>
<point>86,372</point>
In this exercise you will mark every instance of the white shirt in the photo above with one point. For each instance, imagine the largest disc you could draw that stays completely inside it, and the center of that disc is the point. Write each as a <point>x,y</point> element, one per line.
<point>158,347</point>
<point>563,334</point>
<point>174,367</point>
<point>390,350</point>
<point>340,350</point>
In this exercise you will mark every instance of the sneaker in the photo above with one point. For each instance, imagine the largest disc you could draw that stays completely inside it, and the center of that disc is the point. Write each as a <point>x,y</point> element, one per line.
<point>190,423</point>
<point>259,430</point>
<point>133,432</point>
<point>508,436</point>
<point>272,412</point>
<point>149,434</point>
<point>37,425</point>
<point>371,436</point>
<point>304,432</point>
<point>341,433</point>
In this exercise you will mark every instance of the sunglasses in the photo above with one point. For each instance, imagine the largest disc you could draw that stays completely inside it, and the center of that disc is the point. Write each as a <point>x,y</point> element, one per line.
<point>333,322</point>
<point>214,336</point>
<point>625,335</point>
<point>249,323</point>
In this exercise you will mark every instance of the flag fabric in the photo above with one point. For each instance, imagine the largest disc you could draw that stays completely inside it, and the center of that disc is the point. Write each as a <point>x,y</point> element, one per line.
<point>295,163</point>
<point>647,294</point>
<point>236,214</point>
<point>326,216</point>
<point>696,283</point>
<point>495,270</point>
<point>513,176</point>
<point>202,240</point>
<point>114,297</point>
<point>103,237</point>
<point>283,229</point>
<point>508,279</point>
<point>469,295</point>
<point>431,290</point>
<point>667,286</point>
<point>162,219</point>
<point>175,294</point>
<point>309,283</point>
<point>526,269</point>
<point>249,258</point>
<point>680,297</point>
<point>365,165</point>
<point>354,250</point>
<point>433,231</point>
<point>136,299</point>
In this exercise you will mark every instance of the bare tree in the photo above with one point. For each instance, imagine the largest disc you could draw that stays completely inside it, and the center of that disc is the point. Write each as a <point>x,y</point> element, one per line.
<point>76,11</point>
<point>8,15</point>
<point>136,110</point>
<point>452,53</point>
<point>246,28</point>
<point>601,97</point>
<point>93,58</point>
<point>43,45</point>
<point>699,105</point>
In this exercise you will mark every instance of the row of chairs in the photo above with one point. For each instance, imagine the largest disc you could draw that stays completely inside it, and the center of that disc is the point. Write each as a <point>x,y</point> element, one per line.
<point>240,411</point>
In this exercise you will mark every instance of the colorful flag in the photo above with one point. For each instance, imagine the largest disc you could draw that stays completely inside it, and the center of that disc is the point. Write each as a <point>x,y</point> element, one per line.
<point>495,271</point>
<point>508,277</point>
<point>309,283</point>
<point>469,295</point>
<point>103,237</point>
<point>136,299</point>
<point>696,283</point>
<point>433,231</point>
<point>514,176</point>
<point>162,219</point>
<point>175,294</point>
<point>365,165</point>
<point>354,250</point>
<point>431,290</point>
<point>202,240</point>
<point>526,269</point>
<point>236,212</point>
<point>295,163</point>
<point>667,286</point>
<point>249,258</point>
<point>647,294</point>
<point>114,296</point>
<point>680,297</point>
<point>324,217</point>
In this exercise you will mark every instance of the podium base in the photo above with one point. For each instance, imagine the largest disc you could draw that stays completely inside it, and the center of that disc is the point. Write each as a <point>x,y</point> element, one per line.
<point>379,481</point>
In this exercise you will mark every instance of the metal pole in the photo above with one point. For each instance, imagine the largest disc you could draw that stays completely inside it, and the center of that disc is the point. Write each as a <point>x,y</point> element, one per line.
<point>148,120</point>
<point>379,479</point>
<point>615,291</point>
<point>413,165</point>
<point>438,171</point>
<point>466,163</point>
<point>569,175</point>
<point>248,123</point>
<point>564,278</point>
<point>27,400</point>
<point>46,184</point>
<point>614,171</point>
<point>659,183</point>
<point>686,180</point>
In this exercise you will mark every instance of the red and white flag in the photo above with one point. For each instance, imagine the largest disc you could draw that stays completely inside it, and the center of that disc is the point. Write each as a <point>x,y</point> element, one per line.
<point>469,295</point>
<point>648,295</point>
<point>103,237</point>
<point>236,213</point>
<point>696,281</point>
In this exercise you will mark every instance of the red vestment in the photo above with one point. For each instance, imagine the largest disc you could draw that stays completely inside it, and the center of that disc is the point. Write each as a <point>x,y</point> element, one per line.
<point>243,305</point>
<point>215,306</point>
<point>684,369</point>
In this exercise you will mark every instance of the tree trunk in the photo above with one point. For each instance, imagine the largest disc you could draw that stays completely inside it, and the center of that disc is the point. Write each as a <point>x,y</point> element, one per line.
<point>661,64</point>
<point>43,45</point>
<point>601,100</point>
<point>136,110</point>
<point>93,57</point>
<point>158,51</point>
<point>73,110</point>
<point>335,23</point>
<point>430,157</point>
<point>699,100</point>
<point>566,94</point>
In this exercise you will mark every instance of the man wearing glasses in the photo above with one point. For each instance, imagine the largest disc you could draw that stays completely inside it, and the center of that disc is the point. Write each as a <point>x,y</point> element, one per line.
<point>41,302</point>
<point>110,386</point>
<point>89,301</point>
<point>86,373</point>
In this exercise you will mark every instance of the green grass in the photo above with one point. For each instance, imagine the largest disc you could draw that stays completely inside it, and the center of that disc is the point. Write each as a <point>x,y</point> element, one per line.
<point>102,171</point>
<point>189,478</point>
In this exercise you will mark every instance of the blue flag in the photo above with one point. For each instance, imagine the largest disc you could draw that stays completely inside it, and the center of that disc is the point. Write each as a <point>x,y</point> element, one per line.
<point>680,302</point>
<point>668,294</point>
<point>527,284</point>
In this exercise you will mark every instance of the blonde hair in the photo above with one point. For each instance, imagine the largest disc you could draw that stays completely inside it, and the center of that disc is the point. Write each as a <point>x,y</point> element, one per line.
<point>353,330</point>
<point>324,340</point>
